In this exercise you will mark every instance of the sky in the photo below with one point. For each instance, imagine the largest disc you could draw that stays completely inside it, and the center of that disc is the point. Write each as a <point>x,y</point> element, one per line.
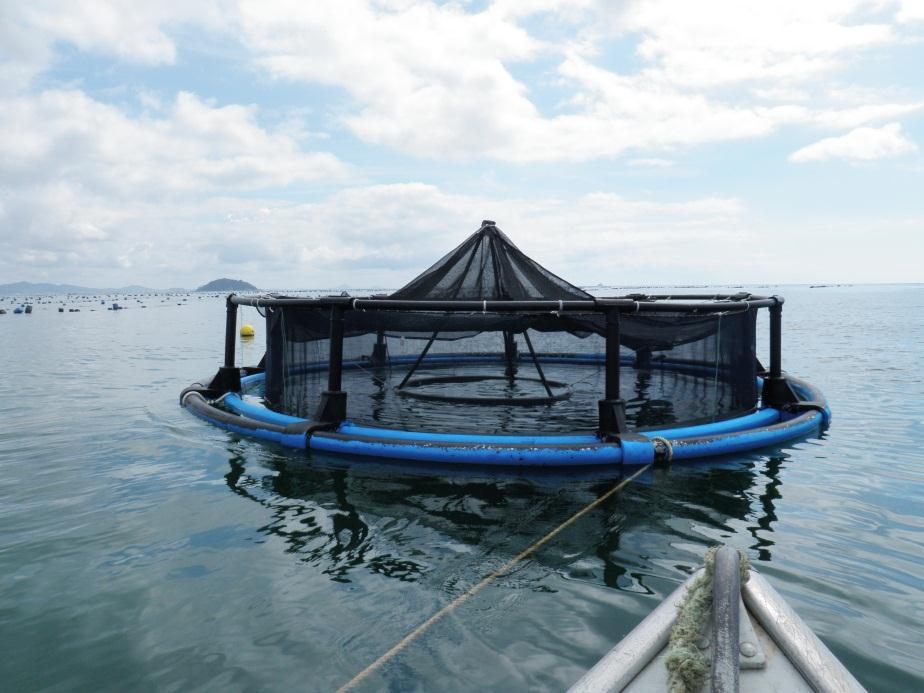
<point>352,143</point>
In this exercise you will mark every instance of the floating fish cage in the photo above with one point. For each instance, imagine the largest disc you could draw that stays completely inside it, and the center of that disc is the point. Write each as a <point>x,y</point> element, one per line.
<point>488,358</point>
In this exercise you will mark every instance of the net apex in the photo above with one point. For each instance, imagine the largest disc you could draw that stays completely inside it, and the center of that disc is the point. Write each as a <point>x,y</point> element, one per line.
<point>487,266</point>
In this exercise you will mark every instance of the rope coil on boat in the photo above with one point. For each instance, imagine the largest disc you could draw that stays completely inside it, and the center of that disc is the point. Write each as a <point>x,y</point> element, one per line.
<point>686,664</point>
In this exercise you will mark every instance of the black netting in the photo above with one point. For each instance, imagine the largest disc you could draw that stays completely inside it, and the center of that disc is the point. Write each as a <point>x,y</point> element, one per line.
<point>675,367</point>
<point>488,266</point>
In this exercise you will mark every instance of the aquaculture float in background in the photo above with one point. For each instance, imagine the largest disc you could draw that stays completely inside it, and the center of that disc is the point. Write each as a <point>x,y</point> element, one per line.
<point>488,358</point>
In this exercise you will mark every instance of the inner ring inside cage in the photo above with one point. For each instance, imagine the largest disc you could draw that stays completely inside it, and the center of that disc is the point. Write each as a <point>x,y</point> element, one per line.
<point>514,393</point>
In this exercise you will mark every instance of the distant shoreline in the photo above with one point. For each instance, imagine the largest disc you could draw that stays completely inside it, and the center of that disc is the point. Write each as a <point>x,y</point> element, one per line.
<point>45,289</point>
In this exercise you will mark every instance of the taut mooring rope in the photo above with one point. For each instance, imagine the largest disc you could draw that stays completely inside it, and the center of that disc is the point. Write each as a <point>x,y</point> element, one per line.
<point>485,581</point>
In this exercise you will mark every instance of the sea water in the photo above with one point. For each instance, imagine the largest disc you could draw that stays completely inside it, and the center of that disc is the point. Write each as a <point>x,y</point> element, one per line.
<point>143,549</point>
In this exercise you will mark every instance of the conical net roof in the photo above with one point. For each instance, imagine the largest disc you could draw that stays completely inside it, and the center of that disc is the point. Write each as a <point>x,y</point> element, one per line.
<point>488,266</point>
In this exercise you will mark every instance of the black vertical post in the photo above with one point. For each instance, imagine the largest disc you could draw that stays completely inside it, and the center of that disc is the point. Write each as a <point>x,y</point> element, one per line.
<point>335,360</point>
<point>379,349</point>
<point>643,358</point>
<point>612,355</point>
<point>230,329</point>
<point>776,339</point>
<point>228,378</point>
<point>612,409</point>
<point>510,354</point>
<point>332,407</point>
<point>777,392</point>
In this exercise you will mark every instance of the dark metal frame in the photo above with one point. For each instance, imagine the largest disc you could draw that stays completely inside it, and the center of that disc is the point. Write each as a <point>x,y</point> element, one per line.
<point>564,390</point>
<point>423,354</point>
<point>611,415</point>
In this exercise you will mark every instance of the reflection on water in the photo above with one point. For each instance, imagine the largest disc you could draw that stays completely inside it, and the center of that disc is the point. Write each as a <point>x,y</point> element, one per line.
<point>767,514</point>
<point>328,534</point>
<point>322,510</point>
<point>443,530</point>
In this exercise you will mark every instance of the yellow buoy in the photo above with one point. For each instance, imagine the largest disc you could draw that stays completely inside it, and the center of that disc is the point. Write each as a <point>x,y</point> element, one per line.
<point>247,331</point>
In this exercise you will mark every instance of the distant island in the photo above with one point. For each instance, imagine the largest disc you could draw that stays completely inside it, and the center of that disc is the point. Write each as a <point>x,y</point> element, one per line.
<point>227,285</point>
<point>45,288</point>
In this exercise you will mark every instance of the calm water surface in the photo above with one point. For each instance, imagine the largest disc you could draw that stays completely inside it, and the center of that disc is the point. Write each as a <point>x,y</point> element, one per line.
<point>144,549</point>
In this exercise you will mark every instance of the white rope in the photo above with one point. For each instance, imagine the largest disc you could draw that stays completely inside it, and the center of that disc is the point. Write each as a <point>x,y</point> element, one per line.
<point>487,580</point>
<point>594,374</point>
<point>667,446</point>
<point>372,375</point>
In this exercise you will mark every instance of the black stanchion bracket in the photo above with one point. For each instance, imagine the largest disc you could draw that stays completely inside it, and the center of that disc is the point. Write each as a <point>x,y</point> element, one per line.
<point>332,407</point>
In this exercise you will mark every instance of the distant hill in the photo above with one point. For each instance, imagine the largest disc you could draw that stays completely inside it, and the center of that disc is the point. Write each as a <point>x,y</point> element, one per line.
<point>227,285</point>
<point>45,288</point>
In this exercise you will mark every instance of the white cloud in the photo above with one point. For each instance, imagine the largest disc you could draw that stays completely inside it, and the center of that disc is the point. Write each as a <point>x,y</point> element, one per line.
<point>910,11</point>
<point>851,117</point>
<point>124,29</point>
<point>430,79</point>
<point>652,163</point>
<point>731,41</point>
<point>861,144</point>
<point>781,93</point>
<point>377,235</point>
<point>621,113</point>
<point>67,137</point>
<point>438,81</point>
<point>23,53</point>
<point>443,81</point>
<point>380,236</point>
<point>422,222</point>
<point>187,183</point>
<point>86,185</point>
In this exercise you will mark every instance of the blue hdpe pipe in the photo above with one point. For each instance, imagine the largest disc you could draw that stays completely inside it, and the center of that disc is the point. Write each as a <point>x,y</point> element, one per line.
<point>762,428</point>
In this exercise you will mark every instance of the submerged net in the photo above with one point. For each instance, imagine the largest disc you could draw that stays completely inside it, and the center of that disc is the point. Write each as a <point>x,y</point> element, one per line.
<point>676,367</point>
